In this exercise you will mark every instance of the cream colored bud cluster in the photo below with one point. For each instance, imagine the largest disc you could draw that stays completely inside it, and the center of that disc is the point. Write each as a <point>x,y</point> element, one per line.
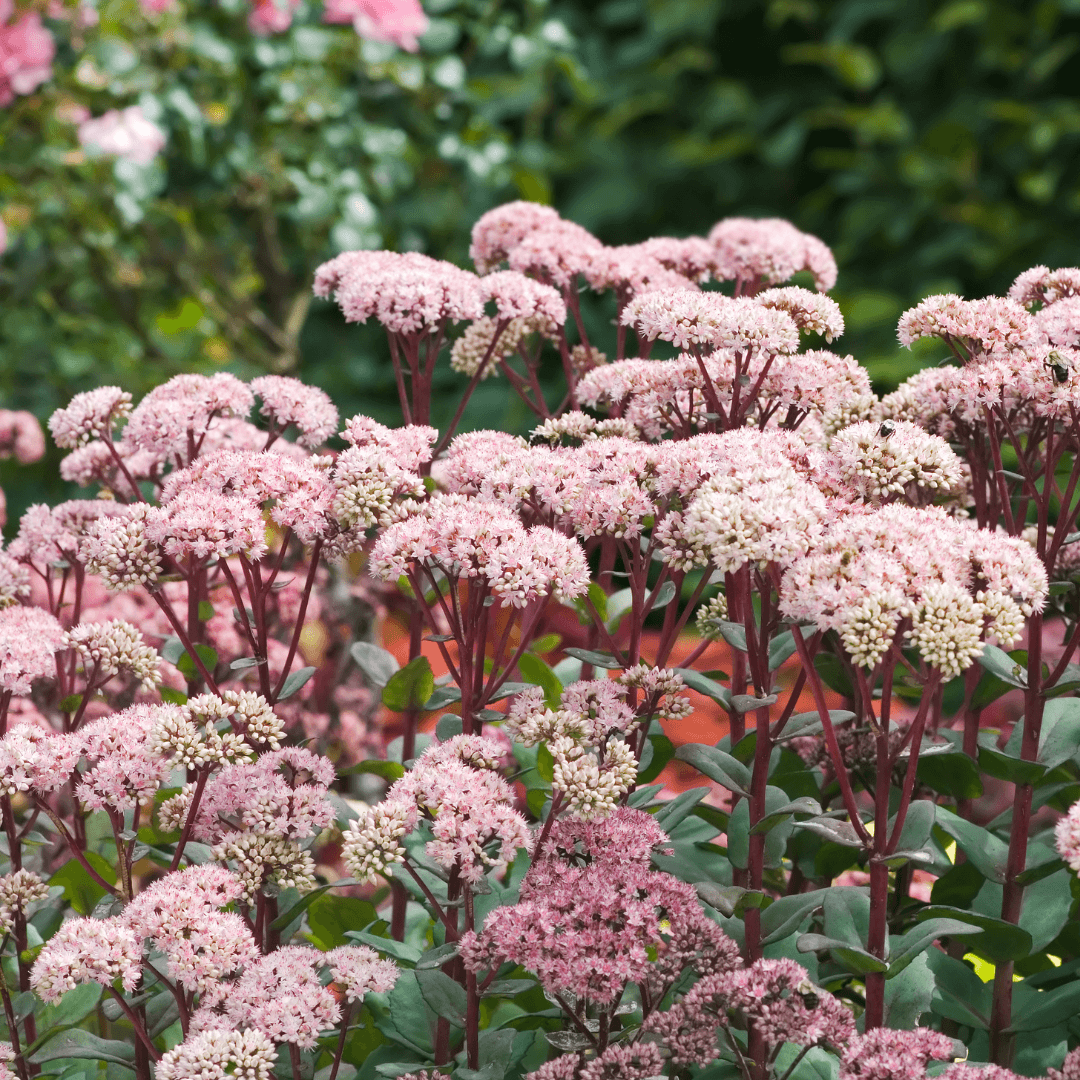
<point>189,733</point>
<point>259,859</point>
<point>115,646</point>
<point>710,615</point>
<point>372,841</point>
<point>593,780</point>
<point>18,891</point>
<point>118,550</point>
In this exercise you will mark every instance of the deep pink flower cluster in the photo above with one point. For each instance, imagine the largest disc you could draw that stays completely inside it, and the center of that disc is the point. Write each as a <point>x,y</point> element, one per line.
<point>592,913</point>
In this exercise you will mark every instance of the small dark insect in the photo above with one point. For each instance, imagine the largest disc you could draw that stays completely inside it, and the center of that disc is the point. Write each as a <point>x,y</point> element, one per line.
<point>1058,366</point>
<point>886,429</point>
<point>805,990</point>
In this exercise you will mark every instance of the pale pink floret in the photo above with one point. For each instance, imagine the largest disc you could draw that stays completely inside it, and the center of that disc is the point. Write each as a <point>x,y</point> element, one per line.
<point>397,21</point>
<point>480,540</point>
<point>908,464</point>
<point>1070,1067</point>
<point>687,318</point>
<point>499,231</point>
<point>21,436</point>
<point>409,446</point>
<point>692,256</point>
<point>287,401</point>
<point>961,1070</point>
<point>26,52</point>
<point>992,327</point>
<point>589,927</point>
<point>51,533</point>
<point>87,950</point>
<point>1041,286</point>
<point>885,1054</point>
<point>281,794</point>
<point>768,251</point>
<point>631,270</point>
<point>123,133</point>
<point>29,637</point>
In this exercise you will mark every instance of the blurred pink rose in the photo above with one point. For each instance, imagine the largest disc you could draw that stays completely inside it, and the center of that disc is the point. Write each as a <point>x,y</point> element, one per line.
<point>271,16</point>
<point>26,53</point>
<point>399,21</point>
<point>123,133</point>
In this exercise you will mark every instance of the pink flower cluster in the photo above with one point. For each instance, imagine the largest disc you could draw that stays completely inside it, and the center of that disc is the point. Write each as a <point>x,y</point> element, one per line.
<point>455,787</point>
<point>592,913</point>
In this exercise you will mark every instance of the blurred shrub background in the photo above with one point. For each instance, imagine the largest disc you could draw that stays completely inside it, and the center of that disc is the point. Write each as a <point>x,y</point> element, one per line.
<point>934,146</point>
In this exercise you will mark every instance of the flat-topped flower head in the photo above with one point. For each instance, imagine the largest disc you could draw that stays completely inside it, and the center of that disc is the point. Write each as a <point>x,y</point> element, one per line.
<point>556,253</point>
<point>89,415</point>
<point>288,402</point>
<point>499,231</point>
<point>83,951</point>
<point>754,252</point>
<point>296,492</point>
<point>631,270</point>
<point>1067,837</point>
<point>282,995</point>
<point>991,327</point>
<point>246,1055</point>
<point>174,419</point>
<point>200,524</point>
<point>409,446</point>
<point>956,583</point>
<point>813,313</point>
<point>480,540</point>
<point>516,296</point>
<point>1060,322</point>
<point>593,916</point>
<point>691,256</point>
<point>1042,287</point>
<point>885,1054</point>
<point>124,769</point>
<point>29,639</point>
<point>35,759</point>
<point>407,294</point>
<point>687,319</point>
<point>881,463</point>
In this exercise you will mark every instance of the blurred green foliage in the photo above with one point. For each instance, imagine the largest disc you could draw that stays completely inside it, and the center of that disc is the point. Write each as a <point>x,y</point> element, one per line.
<point>934,146</point>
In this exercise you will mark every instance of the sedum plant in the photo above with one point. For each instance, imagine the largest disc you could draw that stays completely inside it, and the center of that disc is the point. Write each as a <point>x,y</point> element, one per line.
<point>334,750</point>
